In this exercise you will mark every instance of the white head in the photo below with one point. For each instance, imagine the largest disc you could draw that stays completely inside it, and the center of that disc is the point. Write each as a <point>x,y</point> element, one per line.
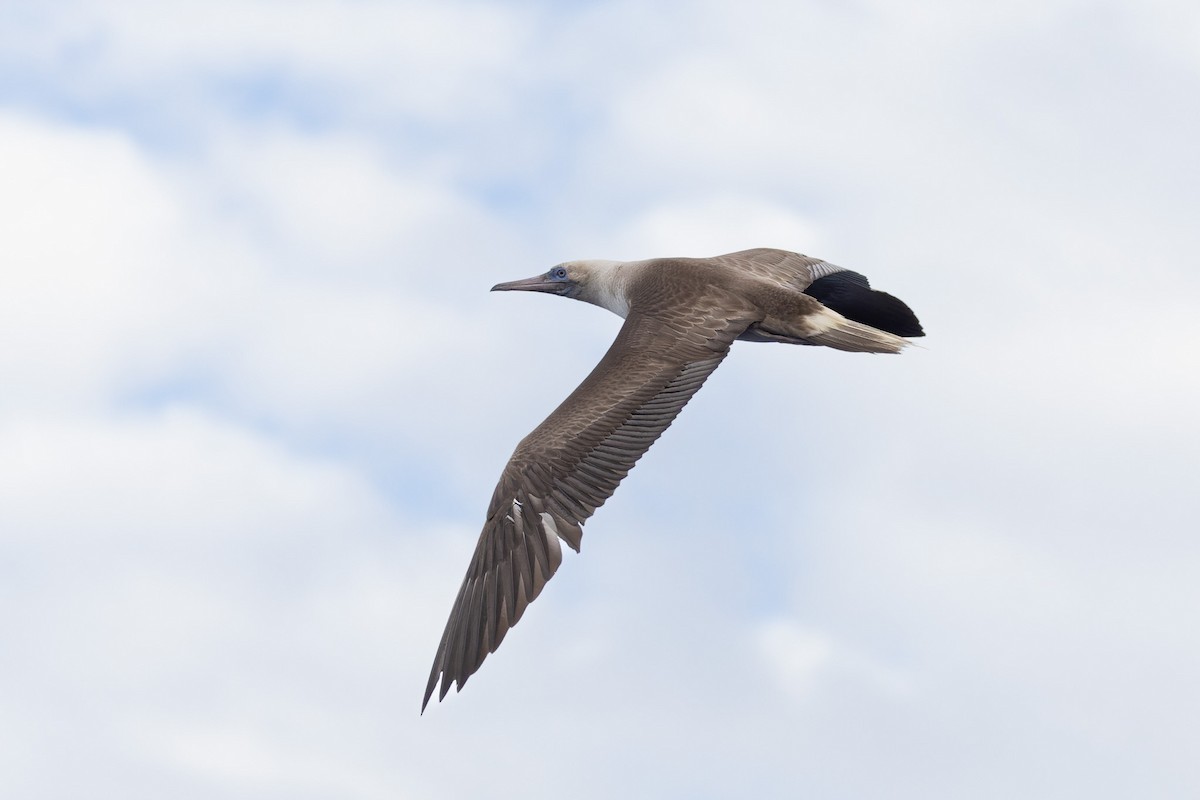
<point>593,281</point>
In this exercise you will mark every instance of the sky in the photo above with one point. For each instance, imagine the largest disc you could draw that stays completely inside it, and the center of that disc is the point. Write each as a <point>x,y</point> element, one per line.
<point>255,395</point>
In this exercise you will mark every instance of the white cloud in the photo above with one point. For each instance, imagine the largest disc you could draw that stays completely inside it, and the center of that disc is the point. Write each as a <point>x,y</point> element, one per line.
<point>343,206</point>
<point>171,567</point>
<point>255,398</point>
<point>714,225</point>
<point>84,222</point>
<point>179,460</point>
<point>438,60</point>
<point>794,655</point>
<point>300,278</point>
<point>803,661</point>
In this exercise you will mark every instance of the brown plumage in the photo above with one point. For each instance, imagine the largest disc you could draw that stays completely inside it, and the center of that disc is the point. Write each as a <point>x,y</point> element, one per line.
<point>681,316</point>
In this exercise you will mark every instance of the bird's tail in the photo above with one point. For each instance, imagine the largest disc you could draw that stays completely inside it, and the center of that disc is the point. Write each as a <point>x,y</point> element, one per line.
<point>834,330</point>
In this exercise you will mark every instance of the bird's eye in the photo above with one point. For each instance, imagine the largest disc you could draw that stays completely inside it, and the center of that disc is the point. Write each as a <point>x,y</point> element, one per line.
<point>559,273</point>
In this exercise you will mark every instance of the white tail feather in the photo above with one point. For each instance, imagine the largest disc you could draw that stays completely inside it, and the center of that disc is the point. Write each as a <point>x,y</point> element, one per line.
<point>834,330</point>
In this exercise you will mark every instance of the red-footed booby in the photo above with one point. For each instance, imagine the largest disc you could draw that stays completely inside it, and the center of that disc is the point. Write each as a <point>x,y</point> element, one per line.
<point>681,316</point>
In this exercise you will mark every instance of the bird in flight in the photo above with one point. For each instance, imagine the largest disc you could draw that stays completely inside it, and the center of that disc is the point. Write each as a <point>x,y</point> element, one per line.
<point>681,316</point>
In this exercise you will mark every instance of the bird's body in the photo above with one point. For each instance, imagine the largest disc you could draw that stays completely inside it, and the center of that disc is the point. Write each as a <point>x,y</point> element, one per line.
<point>681,316</point>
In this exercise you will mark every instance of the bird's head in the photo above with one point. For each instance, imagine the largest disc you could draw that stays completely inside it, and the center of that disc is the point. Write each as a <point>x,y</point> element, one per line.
<point>594,281</point>
<point>567,279</point>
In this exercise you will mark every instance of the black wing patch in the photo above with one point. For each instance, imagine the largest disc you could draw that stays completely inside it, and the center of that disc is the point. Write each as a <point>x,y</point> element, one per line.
<point>849,294</point>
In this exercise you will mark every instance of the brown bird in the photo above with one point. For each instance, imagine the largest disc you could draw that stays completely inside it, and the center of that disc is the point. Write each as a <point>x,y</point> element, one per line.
<point>681,316</point>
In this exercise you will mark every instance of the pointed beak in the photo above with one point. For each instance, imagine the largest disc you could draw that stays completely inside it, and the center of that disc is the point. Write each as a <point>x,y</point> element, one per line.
<point>538,283</point>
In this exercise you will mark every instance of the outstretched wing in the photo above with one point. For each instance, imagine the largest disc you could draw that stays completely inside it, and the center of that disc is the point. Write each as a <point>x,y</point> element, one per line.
<point>568,466</point>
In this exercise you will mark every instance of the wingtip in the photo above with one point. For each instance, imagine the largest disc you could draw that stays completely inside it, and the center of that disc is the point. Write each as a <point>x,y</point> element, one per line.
<point>434,676</point>
<point>441,694</point>
<point>425,702</point>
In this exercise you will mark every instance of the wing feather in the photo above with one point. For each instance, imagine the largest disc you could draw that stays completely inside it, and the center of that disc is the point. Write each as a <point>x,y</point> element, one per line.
<point>567,468</point>
<point>793,270</point>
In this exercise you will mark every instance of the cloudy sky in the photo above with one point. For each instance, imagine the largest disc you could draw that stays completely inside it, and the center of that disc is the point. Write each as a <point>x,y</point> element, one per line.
<point>254,396</point>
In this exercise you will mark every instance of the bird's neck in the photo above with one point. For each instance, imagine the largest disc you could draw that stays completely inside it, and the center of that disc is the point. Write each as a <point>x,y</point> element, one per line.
<point>609,282</point>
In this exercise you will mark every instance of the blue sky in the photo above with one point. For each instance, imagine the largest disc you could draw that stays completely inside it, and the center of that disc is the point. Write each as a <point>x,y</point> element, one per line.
<point>256,396</point>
